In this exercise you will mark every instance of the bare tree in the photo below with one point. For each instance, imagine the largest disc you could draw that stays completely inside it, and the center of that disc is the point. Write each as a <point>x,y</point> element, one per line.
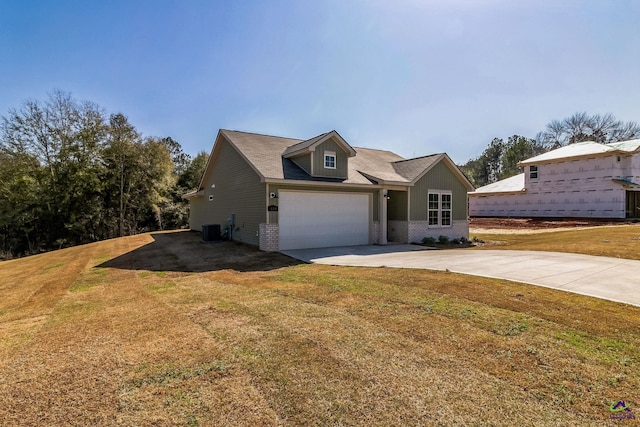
<point>582,127</point>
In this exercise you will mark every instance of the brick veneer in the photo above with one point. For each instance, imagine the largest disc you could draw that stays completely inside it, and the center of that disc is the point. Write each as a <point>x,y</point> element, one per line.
<point>418,230</point>
<point>374,234</point>
<point>269,237</point>
<point>399,231</point>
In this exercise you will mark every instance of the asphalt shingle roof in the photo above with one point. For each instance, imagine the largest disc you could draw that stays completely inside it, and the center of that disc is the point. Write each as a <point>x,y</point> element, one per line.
<point>265,152</point>
<point>304,144</point>
<point>412,168</point>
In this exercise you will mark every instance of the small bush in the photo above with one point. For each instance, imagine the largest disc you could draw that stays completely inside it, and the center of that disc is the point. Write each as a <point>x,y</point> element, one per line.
<point>443,239</point>
<point>476,240</point>
<point>463,240</point>
<point>428,241</point>
<point>455,241</point>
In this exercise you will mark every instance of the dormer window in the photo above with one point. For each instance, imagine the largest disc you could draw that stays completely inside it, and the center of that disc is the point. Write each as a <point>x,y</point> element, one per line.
<point>329,160</point>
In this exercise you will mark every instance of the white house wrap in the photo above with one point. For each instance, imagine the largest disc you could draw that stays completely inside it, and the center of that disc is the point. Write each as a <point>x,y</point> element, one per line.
<point>583,180</point>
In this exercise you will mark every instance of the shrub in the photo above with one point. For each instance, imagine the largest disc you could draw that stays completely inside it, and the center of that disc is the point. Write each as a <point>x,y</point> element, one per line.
<point>428,241</point>
<point>443,239</point>
<point>455,241</point>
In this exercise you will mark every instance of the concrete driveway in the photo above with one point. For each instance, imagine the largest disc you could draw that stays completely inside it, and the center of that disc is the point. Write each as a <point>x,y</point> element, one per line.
<point>608,278</point>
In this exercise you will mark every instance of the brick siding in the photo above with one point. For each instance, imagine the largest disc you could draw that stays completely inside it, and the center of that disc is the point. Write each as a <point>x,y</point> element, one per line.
<point>269,237</point>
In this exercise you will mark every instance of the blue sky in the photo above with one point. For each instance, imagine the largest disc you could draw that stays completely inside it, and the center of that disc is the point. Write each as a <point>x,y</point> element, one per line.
<point>413,76</point>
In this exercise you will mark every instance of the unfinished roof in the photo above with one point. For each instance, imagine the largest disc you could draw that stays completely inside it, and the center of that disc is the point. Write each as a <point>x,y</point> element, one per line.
<point>583,149</point>
<point>579,149</point>
<point>630,146</point>
<point>515,184</point>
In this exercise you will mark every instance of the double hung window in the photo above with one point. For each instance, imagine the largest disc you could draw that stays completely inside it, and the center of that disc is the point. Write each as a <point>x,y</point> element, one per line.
<point>439,208</point>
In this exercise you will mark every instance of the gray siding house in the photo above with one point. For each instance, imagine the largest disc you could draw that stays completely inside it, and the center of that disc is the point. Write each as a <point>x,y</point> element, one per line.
<point>282,193</point>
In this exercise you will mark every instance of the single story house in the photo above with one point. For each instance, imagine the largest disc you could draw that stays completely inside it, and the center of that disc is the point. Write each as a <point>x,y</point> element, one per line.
<point>582,180</point>
<point>282,193</point>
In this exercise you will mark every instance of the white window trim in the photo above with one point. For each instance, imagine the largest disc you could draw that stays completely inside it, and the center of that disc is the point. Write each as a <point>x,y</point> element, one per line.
<point>330,154</point>
<point>536,171</point>
<point>440,193</point>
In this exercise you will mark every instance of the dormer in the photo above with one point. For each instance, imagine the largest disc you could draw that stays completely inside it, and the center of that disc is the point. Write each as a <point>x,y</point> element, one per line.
<point>325,156</point>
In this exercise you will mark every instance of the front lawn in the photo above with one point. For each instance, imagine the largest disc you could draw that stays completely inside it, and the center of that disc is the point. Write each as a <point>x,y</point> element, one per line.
<point>161,330</point>
<point>620,241</point>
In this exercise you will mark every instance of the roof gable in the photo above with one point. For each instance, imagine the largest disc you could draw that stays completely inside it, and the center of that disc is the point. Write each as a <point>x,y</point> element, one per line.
<point>311,144</point>
<point>414,169</point>
<point>253,148</point>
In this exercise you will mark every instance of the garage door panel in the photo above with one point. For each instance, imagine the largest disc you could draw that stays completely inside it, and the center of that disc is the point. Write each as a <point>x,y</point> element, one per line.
<point>308,219</point>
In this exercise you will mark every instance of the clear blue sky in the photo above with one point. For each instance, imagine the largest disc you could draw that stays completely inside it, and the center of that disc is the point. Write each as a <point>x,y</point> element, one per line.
<point>413,76</point>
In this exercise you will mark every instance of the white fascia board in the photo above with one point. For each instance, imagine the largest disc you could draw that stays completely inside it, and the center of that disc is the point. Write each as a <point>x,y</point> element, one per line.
<point>318,183</point>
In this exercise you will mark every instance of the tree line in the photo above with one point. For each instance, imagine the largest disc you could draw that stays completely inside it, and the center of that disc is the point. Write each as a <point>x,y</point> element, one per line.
<point>500,159</point>
<point>71,174</point>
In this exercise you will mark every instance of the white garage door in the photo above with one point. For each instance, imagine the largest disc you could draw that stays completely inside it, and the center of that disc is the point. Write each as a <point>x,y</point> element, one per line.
<point>317,220</point>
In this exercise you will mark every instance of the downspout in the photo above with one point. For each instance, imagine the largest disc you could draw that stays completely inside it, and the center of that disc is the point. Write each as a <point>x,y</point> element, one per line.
<point>267,202</point>
<point>408,214</point>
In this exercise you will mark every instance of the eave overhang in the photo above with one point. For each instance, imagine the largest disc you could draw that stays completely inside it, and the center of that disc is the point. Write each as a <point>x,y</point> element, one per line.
<point>193,194</point>
<point>384,182</point>
<point>311,144</point>
<point>496,193</point>
<point>319,183</point>
<point>626,183</point>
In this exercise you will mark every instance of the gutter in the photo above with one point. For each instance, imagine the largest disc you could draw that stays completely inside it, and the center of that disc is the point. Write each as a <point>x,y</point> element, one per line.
<point>495,193</point>
<point>318,183</point>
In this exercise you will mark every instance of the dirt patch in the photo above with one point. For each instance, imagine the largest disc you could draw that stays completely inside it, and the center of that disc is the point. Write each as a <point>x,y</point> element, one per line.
<point>536,225</point>
<point>183,251</point>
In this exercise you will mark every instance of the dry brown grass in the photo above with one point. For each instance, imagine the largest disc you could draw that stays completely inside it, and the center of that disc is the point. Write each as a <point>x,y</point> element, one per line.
<point>161,330</point>
<point>618,241</point>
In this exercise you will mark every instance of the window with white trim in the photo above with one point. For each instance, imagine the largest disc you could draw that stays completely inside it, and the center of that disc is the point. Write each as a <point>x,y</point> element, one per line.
<point>533,172</point>
<point>439,208</point>
<point>329,160</point>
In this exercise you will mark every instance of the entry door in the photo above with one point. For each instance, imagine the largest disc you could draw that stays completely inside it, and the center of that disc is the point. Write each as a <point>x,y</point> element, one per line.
<point>633,204</point>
